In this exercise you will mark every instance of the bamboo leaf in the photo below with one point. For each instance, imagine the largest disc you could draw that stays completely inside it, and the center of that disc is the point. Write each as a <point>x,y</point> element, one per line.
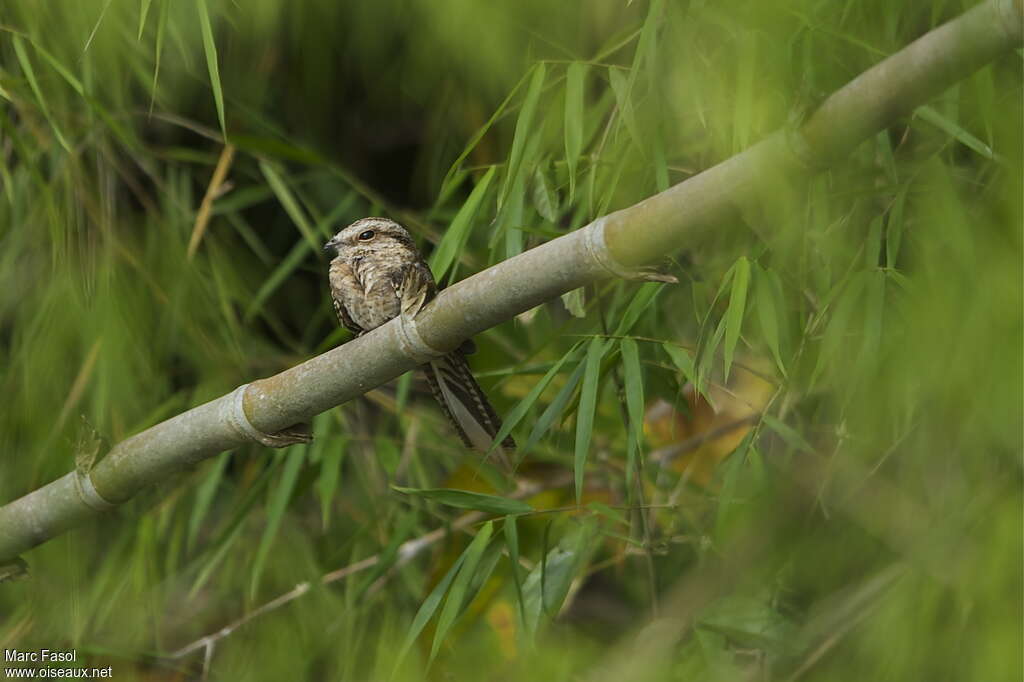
<point>454,175</point>
<point>289,202</point>
<point>643,298</point>
<point>458,232</point>
<point>465,499</point>
<point>519,411</point>
<point>210,49</point>
<point>554,410</point>
<point>737,306</point>
<point>574,80</point>
<point>621,86</point>
<point>768,316</point>
<point>634,384</point>
<point>427,610</point>
<point>585,412</point>
<point>575,302</point>
<point>293,460</point>
<point>512,545</point>
<point>457,595</point>
<point>788,434</point>
<point>544,198</point>
<point>682,359</point>
<point>524,129</point>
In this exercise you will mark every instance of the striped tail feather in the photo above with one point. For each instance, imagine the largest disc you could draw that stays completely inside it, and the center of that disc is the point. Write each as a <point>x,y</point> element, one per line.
<point>466,405</point>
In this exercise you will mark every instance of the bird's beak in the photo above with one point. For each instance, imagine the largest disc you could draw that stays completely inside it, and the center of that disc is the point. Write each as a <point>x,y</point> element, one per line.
<point>330,246</point>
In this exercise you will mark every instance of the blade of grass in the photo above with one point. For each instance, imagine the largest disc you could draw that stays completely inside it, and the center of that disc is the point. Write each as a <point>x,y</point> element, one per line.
<point>210,49</point>
<point>293,461</point>
<point>204,496</point>
<point>289,202</point>
<point>143,12</point>
<point>278,276</point>
<point>26,66</point>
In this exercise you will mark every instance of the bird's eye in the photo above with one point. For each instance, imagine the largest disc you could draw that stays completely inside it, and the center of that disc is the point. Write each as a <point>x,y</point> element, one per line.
<point>366,236</point>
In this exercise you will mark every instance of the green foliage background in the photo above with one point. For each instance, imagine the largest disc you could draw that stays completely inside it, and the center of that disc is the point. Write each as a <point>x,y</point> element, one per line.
<point>870,524</point>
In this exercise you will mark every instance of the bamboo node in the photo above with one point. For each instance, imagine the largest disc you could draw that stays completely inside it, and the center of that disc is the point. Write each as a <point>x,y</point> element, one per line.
<point>239,422</point>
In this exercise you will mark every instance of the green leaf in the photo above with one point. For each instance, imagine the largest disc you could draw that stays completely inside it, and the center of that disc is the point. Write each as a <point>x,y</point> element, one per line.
<point>769,316</point>
<point>512,545</point>
<point>634,384</point>
<point>737,306</point>
<point>289,202</point>
<point>330,470</point>
<point>585,412</point>
<point>894,229</point>
<point>788,434</point>
<point>554,410</point>
<point>546,583</point>
<point>835,337</point>
<point>458,232</point>
<point>727,496</point>
<point>524,129</point>
<point>873,243</point>
<point>464,499</point>
<point>204,496</point>
<point>457,595</point>
<point>278,276</point>
<point>26,66</point>
<point>427,610</point>
<point>874,313</point>
<point>621,87</point>
<point>575,302</point>
<point>544,198</point>
<point>142,17</point>
<point>455,174</point>
<point>643,298</point>
<point>517,413</point>
<point>682,359</point>
<point>293,460</point>
<point>574,80</point>
<point>210,48</point>
<point>952,128</point>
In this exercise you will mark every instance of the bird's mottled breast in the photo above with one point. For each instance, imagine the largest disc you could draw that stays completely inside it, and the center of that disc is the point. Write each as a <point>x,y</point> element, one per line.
<point>367,289</point>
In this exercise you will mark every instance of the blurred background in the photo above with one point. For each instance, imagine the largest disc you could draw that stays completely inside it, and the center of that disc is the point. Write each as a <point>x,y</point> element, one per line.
<point>802,462</point>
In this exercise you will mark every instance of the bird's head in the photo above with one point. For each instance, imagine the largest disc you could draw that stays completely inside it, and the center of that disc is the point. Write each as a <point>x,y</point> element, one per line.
<point>369,236</point>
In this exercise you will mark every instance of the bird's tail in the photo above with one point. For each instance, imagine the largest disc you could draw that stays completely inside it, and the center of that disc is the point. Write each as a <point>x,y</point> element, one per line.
<point>466,405</point>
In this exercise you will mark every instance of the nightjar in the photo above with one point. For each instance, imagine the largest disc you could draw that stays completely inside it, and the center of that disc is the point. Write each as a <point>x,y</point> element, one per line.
<point>375,266</point>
